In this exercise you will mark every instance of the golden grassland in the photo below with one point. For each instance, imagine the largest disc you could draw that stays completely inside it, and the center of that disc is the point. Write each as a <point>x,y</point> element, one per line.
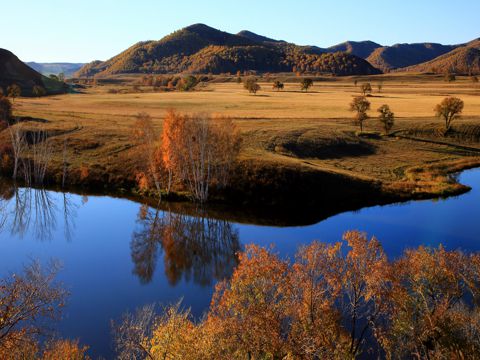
<point>311,132</point>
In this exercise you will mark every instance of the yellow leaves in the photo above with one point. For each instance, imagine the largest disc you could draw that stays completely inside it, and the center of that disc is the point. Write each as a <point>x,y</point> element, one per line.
<point>65,350</point>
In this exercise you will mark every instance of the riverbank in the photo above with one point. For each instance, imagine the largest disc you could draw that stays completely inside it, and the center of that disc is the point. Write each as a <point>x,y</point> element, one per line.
<point>300,152</point>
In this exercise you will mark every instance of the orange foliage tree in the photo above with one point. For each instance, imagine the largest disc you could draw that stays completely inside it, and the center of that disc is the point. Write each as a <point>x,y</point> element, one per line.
<point>341,300</point>
<point>199,151</point>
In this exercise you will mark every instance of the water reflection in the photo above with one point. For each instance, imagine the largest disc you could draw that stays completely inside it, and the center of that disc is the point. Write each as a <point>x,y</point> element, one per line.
<point>195,248</point>
<point>24,210</point>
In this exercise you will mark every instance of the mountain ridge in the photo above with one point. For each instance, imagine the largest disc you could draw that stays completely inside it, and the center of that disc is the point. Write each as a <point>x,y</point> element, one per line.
<point>14,71</point>
<point>200,48</point>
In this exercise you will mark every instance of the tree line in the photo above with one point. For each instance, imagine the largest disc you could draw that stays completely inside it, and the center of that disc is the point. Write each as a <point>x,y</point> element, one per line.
<point>335,301</point>
<point>341,300</point>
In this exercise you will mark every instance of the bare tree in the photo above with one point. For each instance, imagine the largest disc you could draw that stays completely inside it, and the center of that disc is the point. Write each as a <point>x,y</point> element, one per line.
<point>17,138</point>
<point>131,334</point>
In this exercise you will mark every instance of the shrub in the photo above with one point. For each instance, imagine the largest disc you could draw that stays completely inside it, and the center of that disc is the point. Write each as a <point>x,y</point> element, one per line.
<point>251,85</point>
<point>187,83</point>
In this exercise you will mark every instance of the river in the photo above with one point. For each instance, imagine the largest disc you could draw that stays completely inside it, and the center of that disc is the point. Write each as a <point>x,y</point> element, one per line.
<point>118,254</point>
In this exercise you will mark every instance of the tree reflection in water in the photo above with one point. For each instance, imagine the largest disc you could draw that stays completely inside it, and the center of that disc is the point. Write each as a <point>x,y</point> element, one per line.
<point>24,210</point>
<point>195,248</point>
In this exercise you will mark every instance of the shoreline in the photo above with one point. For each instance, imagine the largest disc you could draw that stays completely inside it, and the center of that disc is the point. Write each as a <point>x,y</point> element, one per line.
<point>322,194</point>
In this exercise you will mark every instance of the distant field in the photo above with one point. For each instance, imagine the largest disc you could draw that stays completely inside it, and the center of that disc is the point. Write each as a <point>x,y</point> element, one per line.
<point>287,127</point>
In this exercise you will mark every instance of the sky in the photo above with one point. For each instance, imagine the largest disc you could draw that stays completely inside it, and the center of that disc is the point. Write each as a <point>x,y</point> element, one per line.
<point>86,30</point>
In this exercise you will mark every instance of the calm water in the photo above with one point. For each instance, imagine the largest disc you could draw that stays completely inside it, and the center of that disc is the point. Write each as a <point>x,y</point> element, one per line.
<point>118,255</point>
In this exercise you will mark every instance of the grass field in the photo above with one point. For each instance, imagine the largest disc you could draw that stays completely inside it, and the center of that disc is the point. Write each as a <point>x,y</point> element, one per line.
<point>289,128</point>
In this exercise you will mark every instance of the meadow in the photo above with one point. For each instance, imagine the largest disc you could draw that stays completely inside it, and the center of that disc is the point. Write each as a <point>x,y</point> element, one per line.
<point>289,129</point>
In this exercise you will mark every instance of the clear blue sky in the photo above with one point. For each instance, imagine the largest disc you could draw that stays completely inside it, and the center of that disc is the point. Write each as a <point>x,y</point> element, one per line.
<point>85,30</point>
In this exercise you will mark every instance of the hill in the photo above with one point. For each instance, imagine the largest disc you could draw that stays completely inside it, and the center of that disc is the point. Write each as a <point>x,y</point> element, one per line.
<point>12,70</point>
<point>402,55</point>
<point>359,48</point>
<point>68,69</point>
<point>201,49</point>
<point>258,38</point>
<point>462,60</point>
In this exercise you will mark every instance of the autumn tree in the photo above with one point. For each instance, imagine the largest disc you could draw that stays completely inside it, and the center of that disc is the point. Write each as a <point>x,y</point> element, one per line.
<point>450,77</point>
<point>306,84</point>
<point>278,85</point>
<point>449,109</point>
<point>364,280</point>
<point>386,117</point>
<point>64,350</point>
<point>251,308</point>
<point>26,299</point>
<point>145,136</point>
<point>187,83</point>
<point>365,89</point>
<point>432,316</point>
<point>336,301</point>
<point>360,105</point>
<point>199,151</point>
<point>251,85</point>
<point>132,333</point>
<point>314,290</point>
<point>14,91</point>
<point>380,87</point>
<point>38,91</point>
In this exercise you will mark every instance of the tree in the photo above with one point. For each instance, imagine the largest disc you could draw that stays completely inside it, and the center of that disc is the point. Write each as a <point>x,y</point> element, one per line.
<point>187,83</point>
<point>14,91</point>
<point>360,105</point>
<point>306,83</point>
<point>364,280</point>
<point>251,85</point>
<point>380,87</point>
<point>355,82</point>
<point>366,89</point>
<point>278,85</point>
<point>61,77</point>
<point>251,308</point>
<point>64,350</point>
<point>144,135</point>
<point>5,109</point>
<point>38,91</point>
<point>449,77</point>
<point>199,151</point>
<point>386,117</point>
<point>24,300</point>
<point>131,334</point>
<point>314,291</point>
<point>474,79</point>
<point>449,109</point>
<point>430,315</point>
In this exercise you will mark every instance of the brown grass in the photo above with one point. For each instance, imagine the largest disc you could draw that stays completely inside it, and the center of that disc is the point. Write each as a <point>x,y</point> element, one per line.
<point>289,128</point>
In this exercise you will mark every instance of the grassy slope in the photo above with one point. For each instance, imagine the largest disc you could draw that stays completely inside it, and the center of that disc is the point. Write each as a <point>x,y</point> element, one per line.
<point>289,133</point>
